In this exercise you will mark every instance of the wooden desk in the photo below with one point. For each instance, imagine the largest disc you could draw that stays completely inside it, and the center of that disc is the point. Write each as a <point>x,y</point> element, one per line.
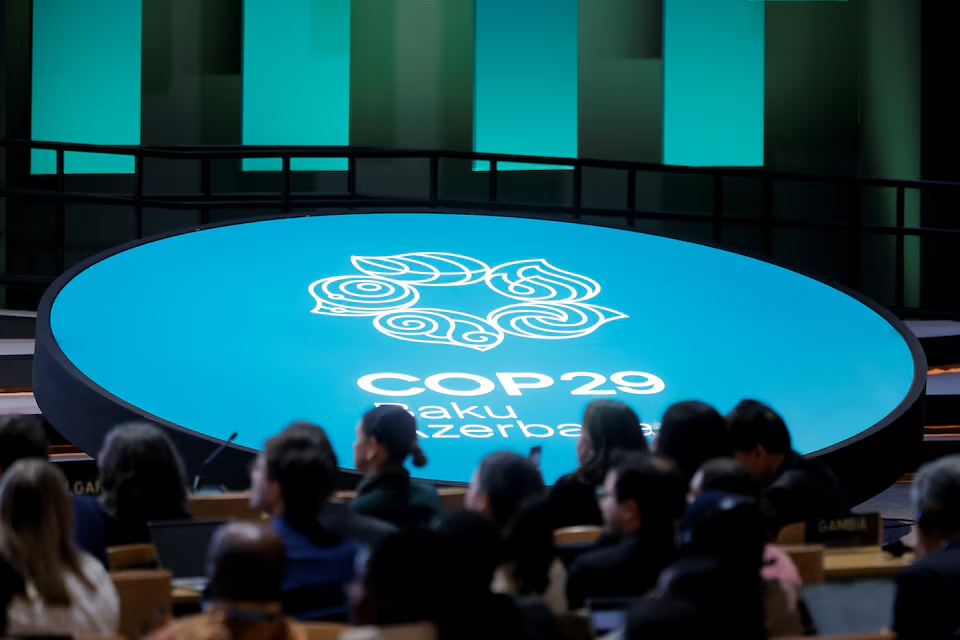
<point>182,596</point>
<point>861,563</point>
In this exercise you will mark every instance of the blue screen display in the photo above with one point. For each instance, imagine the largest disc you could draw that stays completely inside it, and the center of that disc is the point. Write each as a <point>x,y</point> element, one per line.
<point>495,331</point>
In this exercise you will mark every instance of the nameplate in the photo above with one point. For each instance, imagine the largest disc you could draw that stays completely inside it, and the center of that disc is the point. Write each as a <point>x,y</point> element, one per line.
<point>858,530</point>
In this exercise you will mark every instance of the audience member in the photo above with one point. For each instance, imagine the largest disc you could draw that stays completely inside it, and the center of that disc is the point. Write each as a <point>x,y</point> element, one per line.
<point>643,499</point>
<point>404,585</point>
<point>929,589</point>
<point>245,566</point>
<point>608,427</point>
<point>143,479</point>
<point>718,572</point>
<point>690,434</point>
<point>731,476</point>
<point>23,437</point>
<point>386,437</point>
<point>796,488</point>
<point>475,550</point>
<point>291,481</point>
<point>68,592</point>
<point>509,488</point>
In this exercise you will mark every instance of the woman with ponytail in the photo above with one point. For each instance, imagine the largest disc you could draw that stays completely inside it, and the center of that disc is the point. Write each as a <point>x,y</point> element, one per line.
<point>510,489</point>
<point>386,437</point>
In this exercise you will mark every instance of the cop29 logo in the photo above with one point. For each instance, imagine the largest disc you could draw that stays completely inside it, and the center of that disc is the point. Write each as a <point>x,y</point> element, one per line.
<point>550,301</point>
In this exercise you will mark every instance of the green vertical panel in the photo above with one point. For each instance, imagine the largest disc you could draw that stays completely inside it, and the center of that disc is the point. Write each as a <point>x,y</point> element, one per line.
<point>86,81</point>
<point>525,91</point>
<point>713,82</point>
<point>296,78</point>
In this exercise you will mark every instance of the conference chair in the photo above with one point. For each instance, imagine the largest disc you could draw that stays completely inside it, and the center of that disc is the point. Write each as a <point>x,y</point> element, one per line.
<point>809,561</point>
<point>584,534</point>
<point>414,631</point>
<point>324,630</point>
<point>234,505</point>
<point>879,635</point>
<point>452,498</point>
<point>795,533</point>
<point>131,556</point>
<point>145,600</point>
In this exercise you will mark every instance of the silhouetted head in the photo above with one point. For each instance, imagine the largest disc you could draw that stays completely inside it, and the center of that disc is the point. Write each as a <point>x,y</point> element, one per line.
<point>608,427</point>
<point>643,492</point>
<point>246,562</point>
<point>726,474</point>
<point>21,437</point>
<point>386,436</point>
<point>936,502</point>
<point>759,437</point>
<point>142,474</point>
<point>690,434</point>
<point>474,539</point>
<point>295,474</point>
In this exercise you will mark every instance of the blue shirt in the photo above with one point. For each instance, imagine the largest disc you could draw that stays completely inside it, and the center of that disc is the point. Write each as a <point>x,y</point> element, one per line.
<point>320,565</point>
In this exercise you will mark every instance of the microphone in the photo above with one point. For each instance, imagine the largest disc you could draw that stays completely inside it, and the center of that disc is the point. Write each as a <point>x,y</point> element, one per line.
<point>210,458</point>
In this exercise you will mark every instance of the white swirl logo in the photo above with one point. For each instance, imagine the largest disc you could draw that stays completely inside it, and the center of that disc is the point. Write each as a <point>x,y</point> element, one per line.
<point>551,303</point>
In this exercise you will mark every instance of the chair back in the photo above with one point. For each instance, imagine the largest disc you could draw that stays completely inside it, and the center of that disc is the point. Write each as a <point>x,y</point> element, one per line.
<point>795,533</point>
<point>413,631</point>
<point>323,630</point>
<point>576,535</point>
<point>809,561</point>
<point>234,505</point>
<point>452,498</point>
<point>132,556</point>
<point>878,635</point>
<point>145,600</point>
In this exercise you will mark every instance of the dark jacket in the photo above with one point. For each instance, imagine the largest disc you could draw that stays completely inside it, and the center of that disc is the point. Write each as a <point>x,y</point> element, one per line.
<point>90,527</point>
<point>628,568</point>
<point>927,595</point>
<point>486,615</point>
<point>803,489</point>
<point>320,565</point>
<point>339,518</point>
<point>573,502</point>
<point>393,497</point>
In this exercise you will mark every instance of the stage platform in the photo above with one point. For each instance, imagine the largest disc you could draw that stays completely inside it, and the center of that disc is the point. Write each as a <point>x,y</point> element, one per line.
<point>495,330</point>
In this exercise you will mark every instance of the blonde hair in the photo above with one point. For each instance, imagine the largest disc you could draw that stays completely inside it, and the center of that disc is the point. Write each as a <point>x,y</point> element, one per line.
<point>36,525</point>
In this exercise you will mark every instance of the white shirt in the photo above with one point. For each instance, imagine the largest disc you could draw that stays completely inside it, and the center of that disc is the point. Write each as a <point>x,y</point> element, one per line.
<point>92,611</point>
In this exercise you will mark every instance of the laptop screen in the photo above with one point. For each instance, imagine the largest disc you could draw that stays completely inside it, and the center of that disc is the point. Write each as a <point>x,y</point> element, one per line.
<point>182,545</point>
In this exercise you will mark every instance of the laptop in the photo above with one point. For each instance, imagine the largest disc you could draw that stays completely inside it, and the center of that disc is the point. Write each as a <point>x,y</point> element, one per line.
<point>609,614</point>
<point>859,607</point>
<point>182,549</point>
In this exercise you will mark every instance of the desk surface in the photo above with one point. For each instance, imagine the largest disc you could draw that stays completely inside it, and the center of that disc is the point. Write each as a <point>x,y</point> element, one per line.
<point>861,562</point>
<point>181,595</point>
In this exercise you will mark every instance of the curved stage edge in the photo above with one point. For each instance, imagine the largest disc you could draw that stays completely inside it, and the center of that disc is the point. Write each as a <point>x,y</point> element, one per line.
<point>83,412</point>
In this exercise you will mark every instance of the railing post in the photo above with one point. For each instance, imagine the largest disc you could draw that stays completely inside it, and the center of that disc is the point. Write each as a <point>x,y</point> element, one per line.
<point>899,276</point>
<point>352,176</point>
<point>60,222</point>
<point>206,189</point>
<point>577,189</point>
<point>717,213</point>
<point>287,182</point>
<point>434,179</point>
<point>138,194</point>
<point>492,185</point>
<point>766,217</point>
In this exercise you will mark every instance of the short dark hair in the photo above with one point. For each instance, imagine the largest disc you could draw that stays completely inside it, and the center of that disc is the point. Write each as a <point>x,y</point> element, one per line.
<point>21,437</point>
<point>301,460</point>
<point>246,562</point>
<point>752,423</point>
<point>731,476</point>
<point>690,434</point>
<point>656,486</point>
<point>613,427</point>
<point>509,480</point>
<point>142,474</point>
<point>396,431</point>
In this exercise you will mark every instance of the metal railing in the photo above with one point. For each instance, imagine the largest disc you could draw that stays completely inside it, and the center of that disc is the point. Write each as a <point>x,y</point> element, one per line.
<point>286,199</point>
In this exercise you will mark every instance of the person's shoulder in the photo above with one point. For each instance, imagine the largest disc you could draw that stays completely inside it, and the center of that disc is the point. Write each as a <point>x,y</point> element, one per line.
<point>600,558</point>
<point>944,563</point>
<point>196,627</point>
<point>424,493</point>
<point>567,481</point>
